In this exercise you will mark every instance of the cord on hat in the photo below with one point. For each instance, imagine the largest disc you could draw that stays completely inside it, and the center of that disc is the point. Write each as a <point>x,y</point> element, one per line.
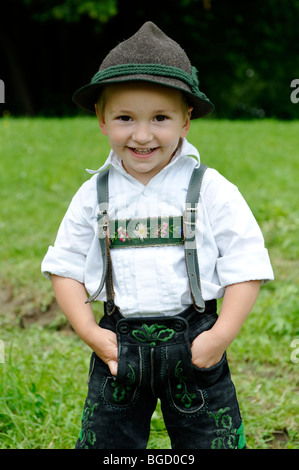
<point>150,69</point>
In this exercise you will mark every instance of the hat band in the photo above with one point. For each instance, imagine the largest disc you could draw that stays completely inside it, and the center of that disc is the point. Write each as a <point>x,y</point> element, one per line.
<point>149,69</point>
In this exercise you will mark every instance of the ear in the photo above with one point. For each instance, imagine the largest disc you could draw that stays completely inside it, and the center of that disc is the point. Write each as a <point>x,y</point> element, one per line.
<point>187,123</point>
<point>101,120</point>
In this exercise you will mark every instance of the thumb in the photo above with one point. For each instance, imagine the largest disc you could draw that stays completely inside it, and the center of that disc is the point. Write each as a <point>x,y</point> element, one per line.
<point>113,367</point>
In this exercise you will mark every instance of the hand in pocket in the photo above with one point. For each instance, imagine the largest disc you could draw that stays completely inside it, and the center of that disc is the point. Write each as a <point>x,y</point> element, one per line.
<point>106,348</point>
<point>206,350</point>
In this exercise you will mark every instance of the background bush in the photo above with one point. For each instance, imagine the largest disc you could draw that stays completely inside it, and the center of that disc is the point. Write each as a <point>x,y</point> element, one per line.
<point>246,52</point>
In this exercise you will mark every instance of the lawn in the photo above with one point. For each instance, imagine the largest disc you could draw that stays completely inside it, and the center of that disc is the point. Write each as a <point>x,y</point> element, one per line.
<point>44,365</point>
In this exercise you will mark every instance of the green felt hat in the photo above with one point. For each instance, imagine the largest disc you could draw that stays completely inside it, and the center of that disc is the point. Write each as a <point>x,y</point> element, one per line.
<point>148,56</point>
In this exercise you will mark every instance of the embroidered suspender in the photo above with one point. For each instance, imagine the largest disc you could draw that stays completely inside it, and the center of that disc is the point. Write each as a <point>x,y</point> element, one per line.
<point>150,232</point>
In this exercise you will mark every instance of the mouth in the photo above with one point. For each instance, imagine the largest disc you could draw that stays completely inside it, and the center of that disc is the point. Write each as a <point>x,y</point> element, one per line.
<point>142,151</point>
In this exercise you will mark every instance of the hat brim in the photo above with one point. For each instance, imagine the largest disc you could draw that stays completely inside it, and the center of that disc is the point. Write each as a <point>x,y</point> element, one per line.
<point>87,96</point>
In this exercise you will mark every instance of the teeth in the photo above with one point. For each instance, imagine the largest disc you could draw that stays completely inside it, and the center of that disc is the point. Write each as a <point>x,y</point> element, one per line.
<point>143,151</point>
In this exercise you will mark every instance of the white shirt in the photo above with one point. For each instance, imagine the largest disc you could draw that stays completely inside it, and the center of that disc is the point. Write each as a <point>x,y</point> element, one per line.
<point>153,280</point>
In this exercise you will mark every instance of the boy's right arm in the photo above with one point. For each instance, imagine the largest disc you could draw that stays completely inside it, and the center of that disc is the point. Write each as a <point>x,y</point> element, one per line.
<point>71,296</point>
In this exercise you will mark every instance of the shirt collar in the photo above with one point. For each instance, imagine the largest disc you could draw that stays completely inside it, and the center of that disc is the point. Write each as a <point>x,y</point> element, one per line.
<point>184,149</point>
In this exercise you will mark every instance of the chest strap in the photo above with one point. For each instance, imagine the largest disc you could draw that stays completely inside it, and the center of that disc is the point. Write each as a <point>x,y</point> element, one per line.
<point>188,238</point>
<point>153,231</point>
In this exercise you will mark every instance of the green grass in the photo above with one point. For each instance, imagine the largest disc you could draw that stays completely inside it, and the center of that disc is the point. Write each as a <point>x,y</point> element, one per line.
<point>43,378</point>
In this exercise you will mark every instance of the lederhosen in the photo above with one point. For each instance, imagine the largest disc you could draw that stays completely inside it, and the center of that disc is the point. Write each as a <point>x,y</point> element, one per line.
<point>199,406</point>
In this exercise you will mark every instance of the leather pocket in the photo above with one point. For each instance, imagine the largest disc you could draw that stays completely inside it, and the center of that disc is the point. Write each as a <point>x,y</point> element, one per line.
<point>206,377</point>
<point>184,393</point>
<point>122,389</point>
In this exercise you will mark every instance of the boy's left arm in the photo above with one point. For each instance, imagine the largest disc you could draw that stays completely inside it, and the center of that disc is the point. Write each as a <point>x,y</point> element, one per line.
<point>238,301</point>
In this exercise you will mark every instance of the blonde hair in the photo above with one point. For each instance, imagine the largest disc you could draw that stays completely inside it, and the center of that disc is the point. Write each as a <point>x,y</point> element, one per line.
<point>101,99</point>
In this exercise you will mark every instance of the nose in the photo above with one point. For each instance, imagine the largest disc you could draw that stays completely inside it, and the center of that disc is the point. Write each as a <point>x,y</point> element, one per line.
<point>142,133</point>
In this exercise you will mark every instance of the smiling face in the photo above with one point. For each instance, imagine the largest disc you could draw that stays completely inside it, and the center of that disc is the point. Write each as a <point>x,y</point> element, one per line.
<point>144,124</point>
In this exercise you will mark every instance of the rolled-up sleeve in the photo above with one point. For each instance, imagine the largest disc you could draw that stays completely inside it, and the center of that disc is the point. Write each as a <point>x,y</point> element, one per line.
<point>242,253</point>
<point>67,258</point>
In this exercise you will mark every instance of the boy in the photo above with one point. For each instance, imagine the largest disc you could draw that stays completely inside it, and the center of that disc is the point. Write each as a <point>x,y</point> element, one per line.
<point>160,336</point>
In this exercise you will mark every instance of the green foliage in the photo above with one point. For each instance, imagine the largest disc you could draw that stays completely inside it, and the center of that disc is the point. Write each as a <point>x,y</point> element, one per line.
<point>246,52</point>
<point>43,379</point>
<point>73,10</point>
<point>35,391</point>
<point>249,52</point>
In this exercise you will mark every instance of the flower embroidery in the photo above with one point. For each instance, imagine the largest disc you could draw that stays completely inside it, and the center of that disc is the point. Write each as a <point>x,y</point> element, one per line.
<point>146,232</point>
<point>122,234</point>
<point>87,435</point>
<point>140,231</point>
<point>228,437</point>
<point>161,230</point>
<point>120,389</point>
<point>152,334</point>
<point>178,232</point>
<point>184,396</point>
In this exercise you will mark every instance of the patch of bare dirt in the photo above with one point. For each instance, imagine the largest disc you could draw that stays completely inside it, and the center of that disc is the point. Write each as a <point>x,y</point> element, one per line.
<point>280,439</point>
<point>23,310</point>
